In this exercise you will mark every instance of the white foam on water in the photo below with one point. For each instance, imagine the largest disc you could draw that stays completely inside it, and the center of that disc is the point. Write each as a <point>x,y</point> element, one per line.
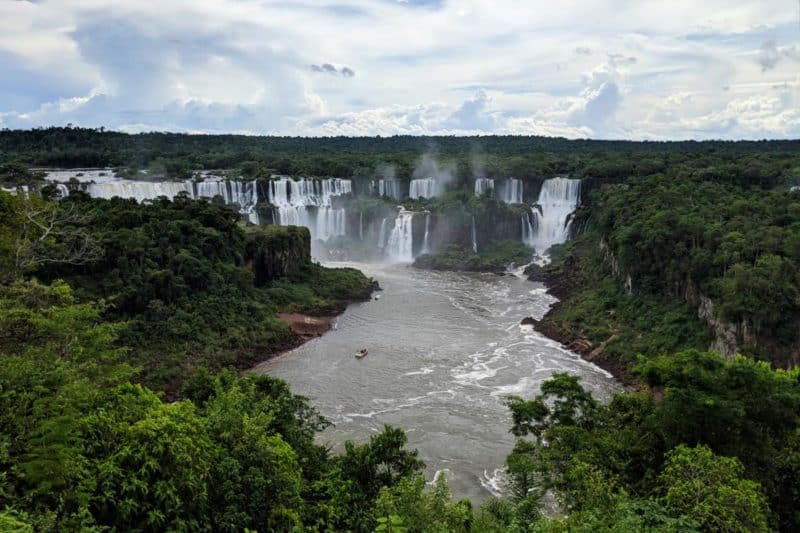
<point>421,372</point>
<point>496,482</point>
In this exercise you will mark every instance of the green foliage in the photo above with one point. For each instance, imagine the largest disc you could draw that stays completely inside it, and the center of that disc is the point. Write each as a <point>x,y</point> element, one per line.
<point>496,256</point>
<point>686,236</point>
<point>620,326</point>
<point>409,505</point>
<point>525,157</point>
<point>15,174</point>
<point>81,448</point>
<point>14,522</point>
<point>712,445</point>
<point>176,275</point>
<point>711,490</point>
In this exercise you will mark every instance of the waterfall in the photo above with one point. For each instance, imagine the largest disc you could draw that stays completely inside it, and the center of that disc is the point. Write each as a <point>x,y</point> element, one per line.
<point>382,235</point>
<point>425,248</point>
<point>424,188</point>
<point>330,222</point>
<point>140,190</point>
<point>550,223</point>
<point>482,185</point>
<point>474,236</point>
<point>295,199</point>
<point>361,225</point>
<point>401,240</point>
<point>512,192</point>
<point>530,222</point>
<point>103,184</point>
<point>62,190</point>
<point>244,194</point>
<point>390,188</point>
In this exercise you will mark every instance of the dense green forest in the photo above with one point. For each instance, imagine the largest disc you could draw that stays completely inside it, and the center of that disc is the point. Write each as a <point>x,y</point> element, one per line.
<point>689,262</point>
<point>122,327</point>
<point>178,155</point>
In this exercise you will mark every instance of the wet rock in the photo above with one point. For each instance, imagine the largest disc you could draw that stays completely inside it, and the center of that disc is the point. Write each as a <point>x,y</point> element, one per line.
<point>534,272</point>
<point>528,321</point>
<point>581,346</point>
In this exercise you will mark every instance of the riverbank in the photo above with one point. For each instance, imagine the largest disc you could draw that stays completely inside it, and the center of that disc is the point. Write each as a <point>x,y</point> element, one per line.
<point>597,319</point>
<point>305,324</point>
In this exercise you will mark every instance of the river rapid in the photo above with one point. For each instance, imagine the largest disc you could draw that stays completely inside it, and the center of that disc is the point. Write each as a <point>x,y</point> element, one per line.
<point>444,350</point>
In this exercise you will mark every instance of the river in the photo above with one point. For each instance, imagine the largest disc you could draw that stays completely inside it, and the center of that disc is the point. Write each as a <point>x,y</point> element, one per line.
<point>444,350</point>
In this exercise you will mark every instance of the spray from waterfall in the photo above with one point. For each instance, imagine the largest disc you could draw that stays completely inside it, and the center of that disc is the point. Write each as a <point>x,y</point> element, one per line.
<point>430,177</point>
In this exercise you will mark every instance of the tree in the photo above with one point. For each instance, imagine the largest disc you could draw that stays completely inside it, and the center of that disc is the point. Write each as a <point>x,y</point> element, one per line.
<point>36,232</point>
<point>712,491</point>
<point>421,511</point>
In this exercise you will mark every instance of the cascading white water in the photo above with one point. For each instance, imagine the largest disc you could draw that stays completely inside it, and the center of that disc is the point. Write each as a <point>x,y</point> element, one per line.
<point>474,236</point>
<point>361,225</point>
<point>530,221</point>
<point>512,191</point>
<point>482,185</point>
<point>62,190</point>
<point>294,200</point>
<point>400,247</point>
<point>244,194</point>
<point>390,188</point>
<point>102,184</point>
<point>139,190</point>
<point>382,235</point>
<point>550,222</point>
<point>425,248</point>
<point>330,223</point>
<point>424,188</point>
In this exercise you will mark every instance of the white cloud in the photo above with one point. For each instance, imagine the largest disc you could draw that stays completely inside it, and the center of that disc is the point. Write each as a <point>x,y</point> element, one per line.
<point>609,68</point>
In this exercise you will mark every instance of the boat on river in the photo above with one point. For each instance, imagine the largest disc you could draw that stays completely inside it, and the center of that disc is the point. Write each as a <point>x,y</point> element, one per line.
<point>362,353</point>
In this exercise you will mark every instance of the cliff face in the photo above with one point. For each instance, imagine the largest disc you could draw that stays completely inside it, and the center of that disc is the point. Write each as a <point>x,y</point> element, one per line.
<point>274,251</point>
<point>729,338</point>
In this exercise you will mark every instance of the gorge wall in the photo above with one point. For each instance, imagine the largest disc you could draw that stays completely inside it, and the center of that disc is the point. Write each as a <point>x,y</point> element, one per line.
<point>275,251</point>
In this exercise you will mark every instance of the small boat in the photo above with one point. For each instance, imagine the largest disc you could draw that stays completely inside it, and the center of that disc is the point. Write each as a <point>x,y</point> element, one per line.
<point>362,353</point>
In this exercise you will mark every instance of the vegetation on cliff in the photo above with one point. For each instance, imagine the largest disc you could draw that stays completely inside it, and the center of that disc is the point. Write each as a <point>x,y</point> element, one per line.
<point>596,317</point>
<point>189,286</point>
<point>496,256</point>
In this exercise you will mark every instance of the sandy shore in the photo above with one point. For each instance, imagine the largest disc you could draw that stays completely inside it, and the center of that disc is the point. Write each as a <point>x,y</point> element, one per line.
<point>306,326</point>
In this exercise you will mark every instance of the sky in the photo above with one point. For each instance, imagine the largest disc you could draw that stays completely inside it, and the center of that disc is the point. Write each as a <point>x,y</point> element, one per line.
<point>610,69</point>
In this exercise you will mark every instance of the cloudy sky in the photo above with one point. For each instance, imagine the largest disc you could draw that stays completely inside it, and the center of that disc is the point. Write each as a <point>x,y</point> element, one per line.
<point>636,69</point>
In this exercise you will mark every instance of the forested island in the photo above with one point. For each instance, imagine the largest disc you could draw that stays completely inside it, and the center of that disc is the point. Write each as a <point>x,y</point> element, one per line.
<point>124,327</point>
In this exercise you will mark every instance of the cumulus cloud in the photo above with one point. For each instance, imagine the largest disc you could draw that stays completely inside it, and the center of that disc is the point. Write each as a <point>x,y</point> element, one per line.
<point>652,71</point>
<point>601,96</point>
<point>327,68</point>
<point>472,114</point>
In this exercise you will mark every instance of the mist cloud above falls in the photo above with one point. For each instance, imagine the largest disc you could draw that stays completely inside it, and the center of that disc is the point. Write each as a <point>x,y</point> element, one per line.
<point>429,166</point>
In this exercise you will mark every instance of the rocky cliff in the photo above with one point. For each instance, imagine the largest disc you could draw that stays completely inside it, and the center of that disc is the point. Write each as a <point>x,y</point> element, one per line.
<point>274,251</point>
